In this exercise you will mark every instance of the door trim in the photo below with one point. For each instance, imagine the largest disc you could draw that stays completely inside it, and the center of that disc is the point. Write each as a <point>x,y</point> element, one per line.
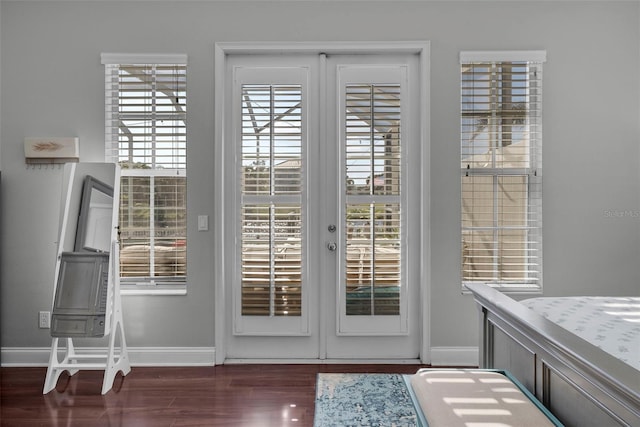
<point>222,51</point>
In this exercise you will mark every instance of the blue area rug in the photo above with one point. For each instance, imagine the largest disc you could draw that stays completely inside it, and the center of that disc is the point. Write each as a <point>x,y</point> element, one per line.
<point>363,400</point>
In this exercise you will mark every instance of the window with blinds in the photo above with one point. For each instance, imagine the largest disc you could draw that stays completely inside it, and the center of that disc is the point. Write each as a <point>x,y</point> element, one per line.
<point>501,168</point>
<point>146,133</point>
<point>373,208</point>
<point>271,193</point>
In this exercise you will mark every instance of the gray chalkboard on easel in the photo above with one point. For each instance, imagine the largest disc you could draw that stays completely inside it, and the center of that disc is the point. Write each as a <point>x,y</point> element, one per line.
<point>82,286</point>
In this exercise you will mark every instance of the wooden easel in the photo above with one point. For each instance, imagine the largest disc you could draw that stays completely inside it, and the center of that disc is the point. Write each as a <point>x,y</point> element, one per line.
<point>113,360</point>
<point>115,357</point>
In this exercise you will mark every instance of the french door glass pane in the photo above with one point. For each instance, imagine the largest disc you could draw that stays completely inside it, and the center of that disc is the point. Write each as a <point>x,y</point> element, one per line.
<point>373,259</point>
<point>372,139</point>
<point>271,261</point>
<point>271,139</point>
<point>271,241</point>
<point>372,166</point>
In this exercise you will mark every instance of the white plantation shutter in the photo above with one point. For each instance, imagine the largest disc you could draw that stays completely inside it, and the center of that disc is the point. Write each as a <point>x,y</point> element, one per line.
<point>501,168</point>
<point>146,134</point>
<point>271,197</point>
<point>373,198</point>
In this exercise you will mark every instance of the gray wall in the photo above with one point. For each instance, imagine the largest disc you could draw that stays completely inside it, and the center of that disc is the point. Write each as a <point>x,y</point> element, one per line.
<point>52,85</point>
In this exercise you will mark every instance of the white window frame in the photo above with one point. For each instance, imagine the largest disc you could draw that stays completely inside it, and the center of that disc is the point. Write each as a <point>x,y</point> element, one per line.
<point>152,286</point>
<point>532,174</point>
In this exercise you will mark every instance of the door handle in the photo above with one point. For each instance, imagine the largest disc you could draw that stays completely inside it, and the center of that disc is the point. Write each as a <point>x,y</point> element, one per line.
<point>332,246</point>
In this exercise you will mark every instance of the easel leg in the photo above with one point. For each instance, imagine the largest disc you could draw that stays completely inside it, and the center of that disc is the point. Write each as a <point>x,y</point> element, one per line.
<point>53,373</point>
<point>120,362</point>
<point>55,370</point>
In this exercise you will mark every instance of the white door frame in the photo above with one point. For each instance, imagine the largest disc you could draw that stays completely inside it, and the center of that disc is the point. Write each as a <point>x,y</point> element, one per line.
<point>222,50</point>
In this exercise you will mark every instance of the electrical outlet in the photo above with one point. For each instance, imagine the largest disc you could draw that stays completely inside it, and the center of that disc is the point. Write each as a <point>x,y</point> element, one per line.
<point>44,319</point>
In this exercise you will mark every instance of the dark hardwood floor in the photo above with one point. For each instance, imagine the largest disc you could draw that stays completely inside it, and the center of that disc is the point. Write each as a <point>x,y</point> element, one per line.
<point>225,395</point>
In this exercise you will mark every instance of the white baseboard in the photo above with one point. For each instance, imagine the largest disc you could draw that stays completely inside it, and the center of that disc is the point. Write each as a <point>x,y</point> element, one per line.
<point>322,361</point>
<point>454,356</point>
<point>201,356</point>
<point>138,356</point>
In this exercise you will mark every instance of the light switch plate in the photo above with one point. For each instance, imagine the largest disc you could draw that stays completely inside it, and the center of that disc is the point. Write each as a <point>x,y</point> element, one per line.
<point>203,222</point>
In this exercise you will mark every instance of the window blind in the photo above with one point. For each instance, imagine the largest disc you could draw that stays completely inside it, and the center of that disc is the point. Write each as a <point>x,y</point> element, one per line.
<point>501,168</point>
<point>146,133</point>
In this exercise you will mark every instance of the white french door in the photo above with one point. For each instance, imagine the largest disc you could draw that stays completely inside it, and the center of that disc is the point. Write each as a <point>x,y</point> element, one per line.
<point>324,206</point>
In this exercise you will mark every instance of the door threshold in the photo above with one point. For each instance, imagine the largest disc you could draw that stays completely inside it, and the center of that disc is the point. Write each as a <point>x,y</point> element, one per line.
<point>322,362</point>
